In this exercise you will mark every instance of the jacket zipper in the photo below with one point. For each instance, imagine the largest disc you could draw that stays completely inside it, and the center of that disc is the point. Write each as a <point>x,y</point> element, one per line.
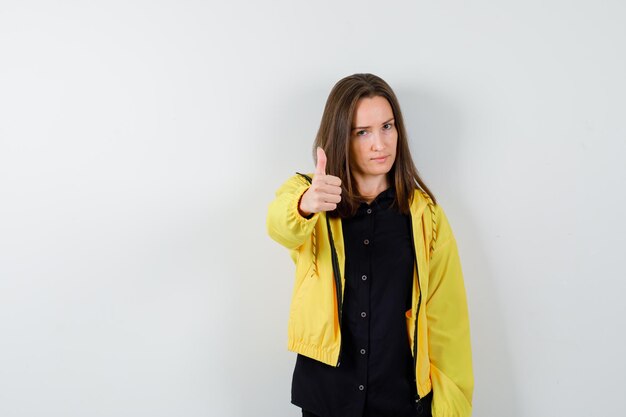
<point>337,273</point>
<point>419,302</point>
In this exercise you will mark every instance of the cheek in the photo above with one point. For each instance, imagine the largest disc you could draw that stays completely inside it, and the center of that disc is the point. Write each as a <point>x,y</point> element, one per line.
<point>394,141</point>
<point>356,150</point>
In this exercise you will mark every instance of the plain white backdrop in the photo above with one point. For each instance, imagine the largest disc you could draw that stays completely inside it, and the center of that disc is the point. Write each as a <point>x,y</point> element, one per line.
<point>142,141</point>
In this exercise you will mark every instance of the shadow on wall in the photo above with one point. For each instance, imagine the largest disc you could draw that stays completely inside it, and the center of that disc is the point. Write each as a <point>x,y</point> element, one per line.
<point>435,126</point>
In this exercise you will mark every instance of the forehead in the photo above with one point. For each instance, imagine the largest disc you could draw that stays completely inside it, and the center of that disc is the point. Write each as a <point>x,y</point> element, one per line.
<point>371,110</point>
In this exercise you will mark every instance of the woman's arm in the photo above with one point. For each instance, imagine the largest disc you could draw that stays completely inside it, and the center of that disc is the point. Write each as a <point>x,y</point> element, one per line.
<point>285,224</point>
<point>448,327</point>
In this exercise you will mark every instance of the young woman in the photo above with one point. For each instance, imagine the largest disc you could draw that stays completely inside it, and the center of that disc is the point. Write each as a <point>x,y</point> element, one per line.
<point>378,314</point>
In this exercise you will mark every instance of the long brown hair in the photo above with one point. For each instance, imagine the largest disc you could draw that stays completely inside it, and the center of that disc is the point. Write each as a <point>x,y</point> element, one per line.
<point>334,135</point>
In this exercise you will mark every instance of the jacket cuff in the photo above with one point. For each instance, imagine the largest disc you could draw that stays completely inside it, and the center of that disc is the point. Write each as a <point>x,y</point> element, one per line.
<point>304,223</point>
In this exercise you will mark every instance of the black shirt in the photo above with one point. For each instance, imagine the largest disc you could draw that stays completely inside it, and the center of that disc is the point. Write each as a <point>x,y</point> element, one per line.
<point>375,376</point>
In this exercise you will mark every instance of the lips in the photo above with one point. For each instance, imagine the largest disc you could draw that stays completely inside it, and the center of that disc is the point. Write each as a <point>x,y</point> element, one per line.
<point>380,159</point>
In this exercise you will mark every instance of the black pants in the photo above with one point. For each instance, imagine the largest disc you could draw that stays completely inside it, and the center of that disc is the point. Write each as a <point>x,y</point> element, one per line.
<point>422,408</point>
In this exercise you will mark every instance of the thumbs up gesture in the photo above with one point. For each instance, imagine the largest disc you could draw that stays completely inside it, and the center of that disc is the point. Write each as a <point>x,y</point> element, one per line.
<point>325,191</point>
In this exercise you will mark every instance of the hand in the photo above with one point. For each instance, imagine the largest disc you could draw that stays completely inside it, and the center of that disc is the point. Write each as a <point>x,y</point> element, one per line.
<point>325,191</point>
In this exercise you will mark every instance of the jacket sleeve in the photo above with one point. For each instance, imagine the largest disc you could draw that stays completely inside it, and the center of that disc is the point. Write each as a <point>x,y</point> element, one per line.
<point>285,224</point>
<point>448,327</point>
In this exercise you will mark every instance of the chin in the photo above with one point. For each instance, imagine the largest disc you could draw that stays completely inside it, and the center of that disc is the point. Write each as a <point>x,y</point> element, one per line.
<point>380,171</point>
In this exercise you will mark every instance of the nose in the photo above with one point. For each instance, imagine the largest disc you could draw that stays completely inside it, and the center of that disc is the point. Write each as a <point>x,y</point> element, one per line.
<point>377,142</point>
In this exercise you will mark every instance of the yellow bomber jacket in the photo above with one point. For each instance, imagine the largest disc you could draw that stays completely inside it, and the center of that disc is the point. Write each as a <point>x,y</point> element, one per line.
<point>441,350</point>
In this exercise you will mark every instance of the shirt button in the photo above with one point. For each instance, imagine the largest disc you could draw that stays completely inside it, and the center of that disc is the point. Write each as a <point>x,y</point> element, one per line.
<point>369,211</point>
<point>364,277</point>
<point>367,242</point>
<point>362,351</point>
<point>361,387</point>
<point>363,314</point>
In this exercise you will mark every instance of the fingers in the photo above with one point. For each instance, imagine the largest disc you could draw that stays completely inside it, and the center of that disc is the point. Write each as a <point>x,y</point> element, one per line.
<point>320,168</point>
<point>328,207</point>
<point>326,203</point>
<point>323,194</point>
<point>320,196</point>
<point>331,198</point>
<point>331,180</point>
<point>326,190</point>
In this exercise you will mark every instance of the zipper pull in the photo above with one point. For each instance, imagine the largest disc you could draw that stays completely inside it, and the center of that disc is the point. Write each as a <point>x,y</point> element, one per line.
<point>418,405</point>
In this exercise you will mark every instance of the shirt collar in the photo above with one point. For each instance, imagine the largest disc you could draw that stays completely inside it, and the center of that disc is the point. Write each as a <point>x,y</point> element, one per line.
<point>382,200</point>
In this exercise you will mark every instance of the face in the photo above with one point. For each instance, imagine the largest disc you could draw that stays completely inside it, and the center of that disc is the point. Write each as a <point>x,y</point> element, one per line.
<point>373,139</point>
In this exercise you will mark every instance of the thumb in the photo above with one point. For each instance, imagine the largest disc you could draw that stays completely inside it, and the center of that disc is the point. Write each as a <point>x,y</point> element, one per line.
<point>320,168</point>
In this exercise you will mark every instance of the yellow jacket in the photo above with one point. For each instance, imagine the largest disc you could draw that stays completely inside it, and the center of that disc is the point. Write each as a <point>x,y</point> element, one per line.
<point>441,351</point>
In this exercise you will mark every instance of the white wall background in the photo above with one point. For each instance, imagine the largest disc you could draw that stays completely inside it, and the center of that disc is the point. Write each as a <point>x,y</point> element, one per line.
<point>141,142</point>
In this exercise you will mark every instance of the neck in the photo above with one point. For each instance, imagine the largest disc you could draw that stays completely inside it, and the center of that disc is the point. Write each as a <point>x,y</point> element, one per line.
<point>370,187</point>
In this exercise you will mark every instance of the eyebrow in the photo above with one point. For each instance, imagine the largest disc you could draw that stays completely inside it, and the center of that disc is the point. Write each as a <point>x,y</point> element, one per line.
<point>367,127</point>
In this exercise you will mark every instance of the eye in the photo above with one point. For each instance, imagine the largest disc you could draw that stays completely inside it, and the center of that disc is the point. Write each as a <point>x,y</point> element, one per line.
<point>361,132</point>
<point>388,126</point>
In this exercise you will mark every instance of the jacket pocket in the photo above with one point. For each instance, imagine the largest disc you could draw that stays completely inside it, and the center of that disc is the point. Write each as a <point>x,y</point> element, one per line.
<point>304,274</point>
